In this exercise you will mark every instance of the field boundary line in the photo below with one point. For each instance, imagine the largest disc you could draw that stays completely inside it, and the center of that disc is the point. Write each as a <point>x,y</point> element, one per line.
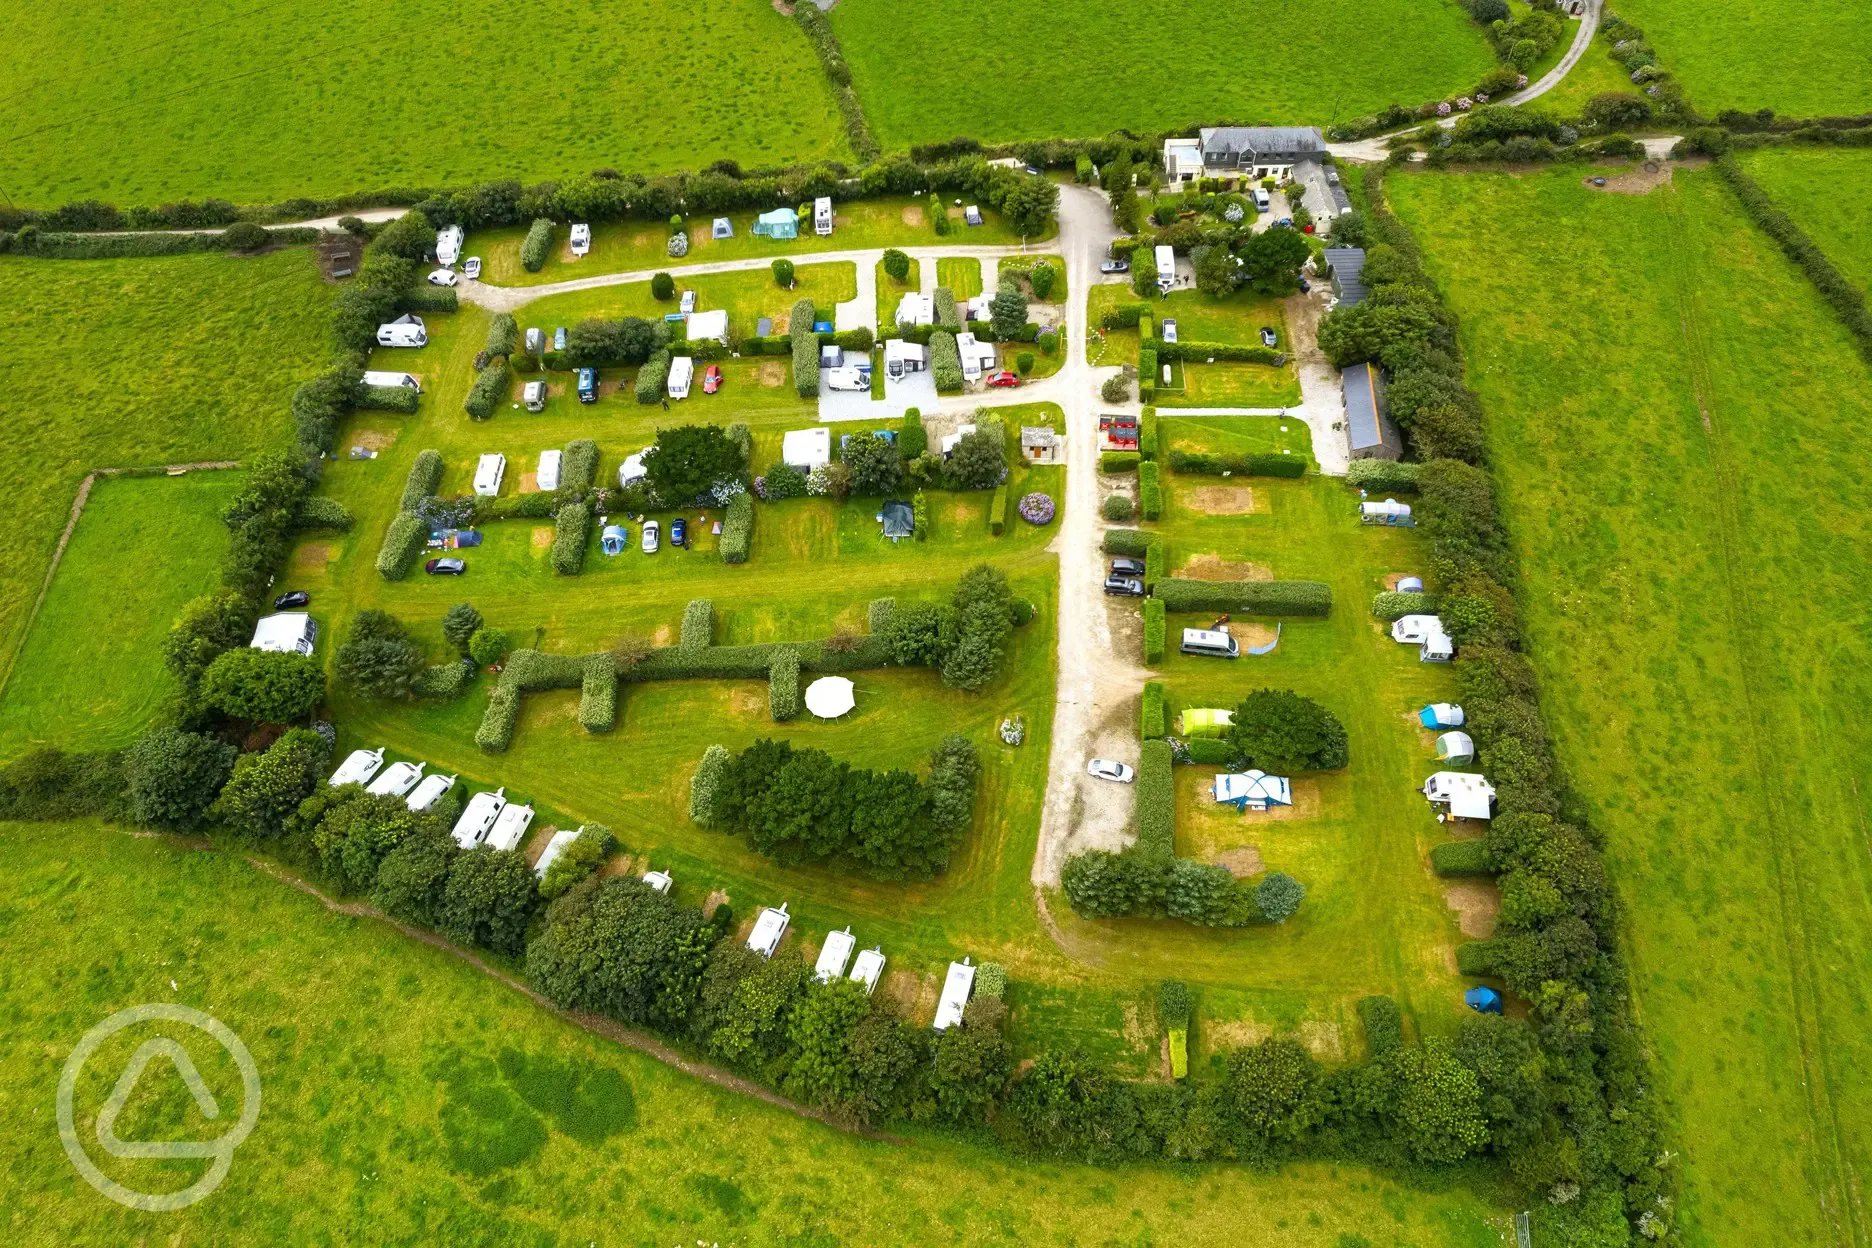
<point>71,526</point>
<point>1822,1108</point>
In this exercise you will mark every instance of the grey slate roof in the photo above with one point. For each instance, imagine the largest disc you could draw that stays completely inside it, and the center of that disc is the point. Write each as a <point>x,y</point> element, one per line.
<point>1369,432</point>
<point>1229,142</point>
<point>1348,268</point>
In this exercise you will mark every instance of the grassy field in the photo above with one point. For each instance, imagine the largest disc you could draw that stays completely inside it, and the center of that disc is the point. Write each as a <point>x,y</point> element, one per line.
<point>890,293</point>
<point>91,672</point>
<point>1670,413</point>
<point>1829,192</point>
<point>961,274</point>
<point>1147,66</point>
<point>1235,318</point>
<point>407,1098</point>
<point>120,363</point>
<point>139,102</point>
<point>1800,59</point>
<point>1595,74</point>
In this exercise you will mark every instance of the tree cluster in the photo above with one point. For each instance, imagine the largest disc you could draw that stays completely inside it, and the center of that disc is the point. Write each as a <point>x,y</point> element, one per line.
<point>690,460</point>
<point>965,637</point>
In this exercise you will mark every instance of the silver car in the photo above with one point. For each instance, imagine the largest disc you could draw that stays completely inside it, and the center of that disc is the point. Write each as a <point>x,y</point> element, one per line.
<point>1108,769</point>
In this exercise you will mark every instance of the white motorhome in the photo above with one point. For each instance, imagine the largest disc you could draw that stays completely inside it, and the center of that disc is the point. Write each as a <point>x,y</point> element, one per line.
<point>392,381</point>
<point>581,239</point>
<point>509,826</point>
<point>448,245</point>
<point>822,215</point>
<point>478,819</point>
<point>681,375</point>
<point>1166,268</point>
<point>1212,642</point>
<point>396,780</point>
<point>429,792</point>
<point>358,767</point>
<point>851,380</point>
<point>1263,201</point>
<point>488,474</point>
<point>547,478</point>
<point>533,394</point>
<point>768,931</point>
<point>834,956</point>
<point>406,331</point>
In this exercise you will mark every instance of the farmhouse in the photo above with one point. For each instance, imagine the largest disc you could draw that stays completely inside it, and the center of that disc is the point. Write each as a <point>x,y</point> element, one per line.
<point>1347,267</point>
<point>806,449</point>
<point>287,631</point>
<point>957,986</point>
<point>1369,431</point>
<point>1242,151</point>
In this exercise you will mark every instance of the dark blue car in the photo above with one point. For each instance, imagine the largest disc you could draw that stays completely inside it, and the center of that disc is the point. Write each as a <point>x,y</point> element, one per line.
<point>679,532</point>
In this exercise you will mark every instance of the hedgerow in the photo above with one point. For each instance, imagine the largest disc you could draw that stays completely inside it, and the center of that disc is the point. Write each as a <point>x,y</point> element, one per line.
<point>399,399</point>
<point>698,624</point>
<point>503,336</point>
<point>1156,629</point>
<point>1392,605</point>
<point>1462,858</point>
<point>997,511</point>
<point>705,787</point>
<point>578,467</point>
<point>1115,462</point>
<point>425,476</point>
<point>653,377</point>
<point>598,693</point>
<point>945,362</point>
<point>1132,542</point>
<point>1154,559</point>
<point>1150,490</point>
<point>783,686</point>
<point>1383,476</point>
<point>571,535</point>
<point>538,243</point>
<point>1151,718</point>
<point>1202,352</point>
<point>318,511</point>
<point>1258,464</point>
<point>403,541</point>
<point>805,349</point>
<point>491,387</point>
<point>1149,432</point>
<point>737,529</point>
<point>947,315</point>
<point>1310,598</point>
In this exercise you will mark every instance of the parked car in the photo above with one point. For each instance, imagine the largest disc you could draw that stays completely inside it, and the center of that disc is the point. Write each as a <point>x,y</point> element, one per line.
<point>1168,329</point>
<point>711,382</point>
<point>1004,380</point>
<point>444,277</point>
<point>1285,223</point>
<point>1124,586</point>
<point>471,267</point>
<point>446,567</point>
<point>1108,769</point>
<point>652,534</point>
<point>588,385</point>
<point>1034,171</point>
<point>559,339</point>
<point>1268,338</point>
<point>679,532</point>
<point>1115,266</point>
<point>1127,567</point>
<point>292,598</point>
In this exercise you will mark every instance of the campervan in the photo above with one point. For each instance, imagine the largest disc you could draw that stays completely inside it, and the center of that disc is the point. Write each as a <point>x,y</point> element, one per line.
<point>448,245</point>
<point>1166,268</point>
<point>478,820</point>
<point>533,394</point>
<point>588,385</point>
<point>1211,642</point>
<point>1263,201</point>
<point>581,239</point>
<point>405,331</point>
<point>392,381</point>
<point>852,379</point>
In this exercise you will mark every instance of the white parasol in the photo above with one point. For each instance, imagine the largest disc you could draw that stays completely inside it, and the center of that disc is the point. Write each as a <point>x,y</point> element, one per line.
<point>830,697</point>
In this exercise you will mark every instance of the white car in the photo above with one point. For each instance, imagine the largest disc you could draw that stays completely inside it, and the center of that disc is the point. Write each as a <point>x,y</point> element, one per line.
<point>444,277</point>
<point>1106,769</point>
<point>652,537</point>
<point>471,267</point>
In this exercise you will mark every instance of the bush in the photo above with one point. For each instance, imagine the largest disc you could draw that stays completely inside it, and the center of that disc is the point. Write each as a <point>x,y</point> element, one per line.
<point>1280,731</point>
<point>320,512</point>
<point>1023,363</point>
<point>737,529</point>
<point>1477,958</point>
<point>705,787</point>
<point>578,468</point>
<point>577,861</point>
<point>698,624</point>
<point>1278,897</point>
<point>1211,751</point>
<point>571,535</point>
<point>425,475</point>
<point>1153,566</point>
<point>503,336</point>
<point>1382,1023</point>
<point>1117,507</point>
<point>1156,800</point>
<point>1392,605</point>
<point>538,243</point>
<point>403,541</point>
<point>1156,630</point>
<point>496,731</point>
<point>1383,476</point>
<point>264,685</point>
<point>662,286</point>
<point>945,362</point>
<point>399,399</point>
<point>912,438</point>
<point>244,236</point>
<point>979,460</point>
<point>878,613</point>
<point>997,511</point>
<point>1116,389</point>
<point>490,389</point>
<point>805,349</point>
<point>783,273</point>
<point>1116,462</point>
<point>1150,490</point>
<point>443,681</point>
<point>598,693</point>
<point>1151,719</point>
<point>919,513</point>
<point>1307,598</point>
<point>171,777</point>
<point>948,316</point>
<point>783,686</point>
<point>1149,435</point>
<point>653,378</point>
<point>1462,858</point>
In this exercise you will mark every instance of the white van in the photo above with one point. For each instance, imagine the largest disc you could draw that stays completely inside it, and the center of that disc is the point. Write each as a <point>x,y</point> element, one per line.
<point>393,381</point>
<point>533,394</point>
<point>853,379</point>
<point>405,331</point>
<point>449,245</point>
<point>1263,200</point>
<point>1210,642</point>
<point>488,474</point>
<point>476,821</point>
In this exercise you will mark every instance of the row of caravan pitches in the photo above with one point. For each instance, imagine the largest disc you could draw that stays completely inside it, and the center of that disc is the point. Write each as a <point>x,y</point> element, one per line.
<point>770,928</point>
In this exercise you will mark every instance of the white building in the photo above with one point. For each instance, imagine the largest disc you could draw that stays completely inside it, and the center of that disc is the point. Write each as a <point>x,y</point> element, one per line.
<point>1467,795</point>
<point>977,357</point>
<point>711,326</point>
<point>358,767</point>
<point>916,309</point>
<point>834,957</point>
<point>488,474</point>
<point>768,931</point>
<point>289,631</point>
<point>1242,152</point>
<point>806,449</point>
<point>957,986</point>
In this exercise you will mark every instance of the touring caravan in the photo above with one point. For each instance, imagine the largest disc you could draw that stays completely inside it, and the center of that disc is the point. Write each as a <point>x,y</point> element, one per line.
<point>358,767</point>
<point>488,474</point>
<point>681,374</point>
<point>533,394</point>
<point>478,820</point>
<point>429,792</point>
<point>392,381</point>
<point>1166,268</point>
<point>509,826</point>
<point>449,241</point>
<point>396,780</point>
<point>822,215</point>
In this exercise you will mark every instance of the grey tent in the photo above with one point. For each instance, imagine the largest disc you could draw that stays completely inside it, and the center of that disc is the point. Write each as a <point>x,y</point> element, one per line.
<point>724,228</point>
<point>899,519</point>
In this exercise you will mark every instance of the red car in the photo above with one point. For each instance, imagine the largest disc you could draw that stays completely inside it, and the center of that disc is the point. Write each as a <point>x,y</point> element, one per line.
<point>711,379</point>
<point>1004,380</point>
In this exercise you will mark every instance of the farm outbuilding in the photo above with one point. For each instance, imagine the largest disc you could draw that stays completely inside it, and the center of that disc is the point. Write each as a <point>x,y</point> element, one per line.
<point>1370,433</point>
<point>1455,748</point>
<point>769,929</point>
<point>1347,265</point>
<point>780,223</point>
<point>1040,444</point>
<point>957,986</point>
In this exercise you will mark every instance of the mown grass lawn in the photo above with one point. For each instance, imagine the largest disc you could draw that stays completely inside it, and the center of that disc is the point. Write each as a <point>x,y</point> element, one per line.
<point>1145,67</point>
<point>890,293</point>
<point>1829,193</point>
<point>126,363</point>
<point>961,274</point>
<point>142,102</point>
<point>407,1098</point>
<point>1800,59</point>
<point>91,673</point>
<point>1697,617</point>
<point>1595,74</point>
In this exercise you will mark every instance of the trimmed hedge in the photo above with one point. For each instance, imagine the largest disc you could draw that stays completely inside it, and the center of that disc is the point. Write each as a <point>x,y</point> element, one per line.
<point>1133,542</point>
<point>805,350</point>
<point>1156,630</point>
<point>737,531</point>
<point>1212,751</point>
<point>653,377</point>
<point>945,362</point>
<point>496,731</point>
<point>698,624</point>
<point>443,681</point>
<point>1149,433</point>
<point>1154,559</point>
<point>1156,799</point>
<point>538,243</point>
<point>948,316</point>
<point>1151,717</point>
<point>1310,598</point>
<point>1116,462</point>
<point>1124,315</point>
<point>425,475</point>
<point>743,438</point>
<point>428,300</point>
<point>387,399</point>
<point>319,512</point>
<point>533,506</point>
<point>705,787</point>
<point>491,388</point>
<point>403,541</point>
<point>783,686</point>
<point>1383,476</point>
<point>1150,490</point>
<point>1392,605</point>
<point>919,516</point>
<point>503,336</point>
<point>578,467</point>
<point>571,535</point>
<point>1147,368</point>
<point>756,662</point>
<point>997,511</point>
<point>1459,858</point>
<point>1232,352</point>
<point>598,693</point>
<point>1476,958</point>
<point>1258,464</point>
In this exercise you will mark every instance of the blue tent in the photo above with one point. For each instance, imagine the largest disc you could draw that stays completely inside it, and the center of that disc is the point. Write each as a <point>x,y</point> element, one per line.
<point>1441,715</point>
<point>1483,1000</point>
<point>614,539</point>
<point>780,223</point>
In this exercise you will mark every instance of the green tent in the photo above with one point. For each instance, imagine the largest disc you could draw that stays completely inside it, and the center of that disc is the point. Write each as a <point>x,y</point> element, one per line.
<point>1203,722</point>
<point>780,223</point>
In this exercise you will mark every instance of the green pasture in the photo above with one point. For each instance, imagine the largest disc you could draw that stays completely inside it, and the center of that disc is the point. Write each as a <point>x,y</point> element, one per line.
<point>139,102</point>
<point>1672,414</point>
<point>133,363</point>
<point>1146,67</point>
<point>1800,59</point>
<point>1828,192</point>
<point>1594,74</point>
<point>91,673</point>
<point>408,1098</point>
